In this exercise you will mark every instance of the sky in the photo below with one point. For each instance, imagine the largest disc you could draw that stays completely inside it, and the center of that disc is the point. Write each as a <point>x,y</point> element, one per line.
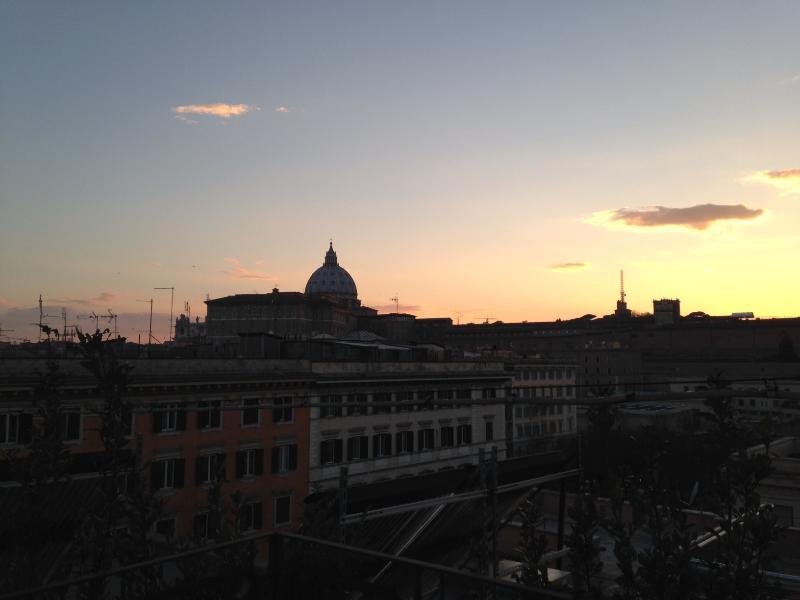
<point>500,160</point>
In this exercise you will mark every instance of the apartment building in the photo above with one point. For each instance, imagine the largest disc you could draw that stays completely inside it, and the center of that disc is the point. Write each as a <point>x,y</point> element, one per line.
<point>388,420</point>
<point>539,388</point>
<point>192,421</point>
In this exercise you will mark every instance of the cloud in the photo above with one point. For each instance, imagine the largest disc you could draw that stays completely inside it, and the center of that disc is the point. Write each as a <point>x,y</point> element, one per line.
<point>237,271</point>
<point>102,299</point>
<point>787,180</point>
<point>697,217</point>
<point>6,303</point>
<point>286,109</point>
<point>790,80</point>
<point>220,109</point>
<point>390,308</point>
<point>569,266</point>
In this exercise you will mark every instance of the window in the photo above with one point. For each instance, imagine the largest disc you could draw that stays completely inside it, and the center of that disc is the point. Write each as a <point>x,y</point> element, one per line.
<point>445,395</point>
<point>358,447</point>
<point>404,400</point>
<point>357,405</point>
<point>282,411</point>
<point>381,445</point>
<point>249,463</point>
<point>15,429</point>
<point>385,400</point>
<point>202,526</point>
<point>250,516</point>
<point>70,425</point>
<point>167,474</point>
<point>250,412</point>
<point>209,415</point>
<point>166,528</point>
<point>446,435</point>
<point>464,394</point>
<point>425,398</point>
<point>464,434</point>
<point>330,452</point>
<point>330,406</point>
<point>405,442</point>
<point>282,510</point>
<point>489,430</point>
<point>209,468</point>
<point>168,418</point>
<point>426,439</point>
<point>489,393</point>
<point>284,458</point>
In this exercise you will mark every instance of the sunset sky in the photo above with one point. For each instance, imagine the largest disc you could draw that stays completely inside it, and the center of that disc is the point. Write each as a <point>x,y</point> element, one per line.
<point>494,159</point>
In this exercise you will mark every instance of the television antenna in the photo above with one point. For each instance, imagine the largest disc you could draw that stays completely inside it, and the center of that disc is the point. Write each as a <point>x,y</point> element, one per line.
<point>150,328</point>
<point>396,300</point>
<point>171,302</point>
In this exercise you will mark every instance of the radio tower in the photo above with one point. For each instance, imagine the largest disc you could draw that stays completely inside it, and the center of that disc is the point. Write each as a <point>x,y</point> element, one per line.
<point>622,311</point>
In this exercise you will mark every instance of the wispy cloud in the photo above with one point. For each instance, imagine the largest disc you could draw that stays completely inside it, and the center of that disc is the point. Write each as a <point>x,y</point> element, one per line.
<point>286,109</point>
<point>698,217</point>
<point>103,299</point>
<point>390,308</point>
<point>569,266</point>
<point>220,109</point>
<point>787,180</point>
<point>790,80</point>
<point>6,303</point>
<point>238,271</point>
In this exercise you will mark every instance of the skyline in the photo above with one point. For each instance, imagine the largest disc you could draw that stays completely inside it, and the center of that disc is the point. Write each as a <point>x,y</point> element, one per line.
<point>505,162</point>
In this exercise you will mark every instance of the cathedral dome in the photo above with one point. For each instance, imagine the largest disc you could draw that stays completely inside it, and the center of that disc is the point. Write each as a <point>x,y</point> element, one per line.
<point>331,279</point>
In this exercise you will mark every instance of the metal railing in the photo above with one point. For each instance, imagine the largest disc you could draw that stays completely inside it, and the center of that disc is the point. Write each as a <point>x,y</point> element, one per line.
<point>298,566</point>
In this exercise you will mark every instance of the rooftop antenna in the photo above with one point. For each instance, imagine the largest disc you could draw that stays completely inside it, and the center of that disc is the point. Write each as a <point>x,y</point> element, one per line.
<point>396,300</point>
<point>622,286</point>
<point>42,317</point>
<point>150,329</point>
<point>171,301</point>
<point>114,316</point>
<point>188,310</point>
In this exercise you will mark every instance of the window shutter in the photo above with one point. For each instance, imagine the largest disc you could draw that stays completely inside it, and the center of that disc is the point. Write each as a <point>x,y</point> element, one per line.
<point>157,416</point>
<point>156,476</point>
<point>351,444</point>
<point>202,419</point>
<point>25,428</point>
<point>259,462</point>
<point>180,420</point>
<point>293,457</point>
<point>364,441</point>
<point>376,445</point>
<point>200,469</point>
<point>180,467</point>
<point>276,458</point>
<point>220,466</point>
<point>258,514</point>
<point>337,451</point>
<point>241,457</point>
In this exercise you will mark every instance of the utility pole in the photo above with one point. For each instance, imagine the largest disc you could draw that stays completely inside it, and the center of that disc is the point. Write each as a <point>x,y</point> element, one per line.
<point>171,300</point>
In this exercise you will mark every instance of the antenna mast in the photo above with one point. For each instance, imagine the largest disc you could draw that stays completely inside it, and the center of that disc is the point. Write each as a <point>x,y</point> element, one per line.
<point>171,301</point>
<point>396,300</point>
<point>622,286</point>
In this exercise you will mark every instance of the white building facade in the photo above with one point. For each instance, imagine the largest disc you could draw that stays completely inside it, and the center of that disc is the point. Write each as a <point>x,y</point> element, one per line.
<point>388,420</point>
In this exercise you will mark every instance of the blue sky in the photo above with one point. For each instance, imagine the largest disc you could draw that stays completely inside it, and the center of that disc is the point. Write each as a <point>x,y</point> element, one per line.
<point>455,152</point>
